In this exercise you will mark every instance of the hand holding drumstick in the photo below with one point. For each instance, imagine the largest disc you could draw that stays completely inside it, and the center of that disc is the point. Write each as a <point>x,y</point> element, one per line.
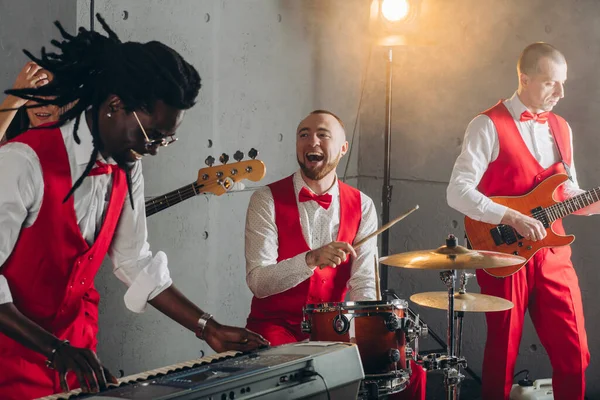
<point>335,253</point>
<point>332,254</point>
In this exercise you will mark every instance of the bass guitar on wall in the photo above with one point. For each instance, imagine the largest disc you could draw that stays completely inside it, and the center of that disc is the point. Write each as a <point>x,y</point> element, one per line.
<point>216,180</point>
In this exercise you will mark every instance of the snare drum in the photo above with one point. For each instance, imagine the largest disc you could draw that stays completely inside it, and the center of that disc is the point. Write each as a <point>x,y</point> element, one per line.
<point>375,326</point>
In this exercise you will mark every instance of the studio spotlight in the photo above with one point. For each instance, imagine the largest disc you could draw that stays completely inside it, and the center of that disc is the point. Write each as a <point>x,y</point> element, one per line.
<point>395,10</point>
<point>394,22</point>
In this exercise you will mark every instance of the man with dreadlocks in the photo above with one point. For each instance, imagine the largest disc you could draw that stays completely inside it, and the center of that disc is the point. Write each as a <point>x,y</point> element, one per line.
<point>63,207</point>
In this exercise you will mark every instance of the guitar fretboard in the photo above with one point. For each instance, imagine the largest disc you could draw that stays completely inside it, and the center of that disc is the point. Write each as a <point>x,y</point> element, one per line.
<point>569,206</point>
<point>176,196</point>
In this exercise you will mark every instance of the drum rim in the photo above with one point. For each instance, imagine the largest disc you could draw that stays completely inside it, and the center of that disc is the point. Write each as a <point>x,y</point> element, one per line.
<point>350,305</point>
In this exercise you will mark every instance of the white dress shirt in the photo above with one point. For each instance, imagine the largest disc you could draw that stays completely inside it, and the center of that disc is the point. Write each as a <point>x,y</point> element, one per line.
<point>266,277</point>
<point>21,196</point>
<point>480,147</point>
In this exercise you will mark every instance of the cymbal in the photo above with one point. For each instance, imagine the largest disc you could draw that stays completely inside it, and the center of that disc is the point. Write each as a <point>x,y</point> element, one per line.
<point>455,257</point>
<point>468,302</point>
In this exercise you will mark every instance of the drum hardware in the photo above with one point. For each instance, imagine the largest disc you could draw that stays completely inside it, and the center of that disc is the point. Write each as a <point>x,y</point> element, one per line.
<point>305,326</point>
<point>377,386</point>
<point>394,355</point>
<point>393,323</point>
<point>341,324</point>
<point>448,259</point>
<point>409,355</point>
<point>381,329</point>
<point>426,331</point>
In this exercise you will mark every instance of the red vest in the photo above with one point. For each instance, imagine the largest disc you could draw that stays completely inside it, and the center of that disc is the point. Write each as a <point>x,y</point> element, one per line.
<point>325,285</point>
<point>51,270</point>
<point>516,171</point>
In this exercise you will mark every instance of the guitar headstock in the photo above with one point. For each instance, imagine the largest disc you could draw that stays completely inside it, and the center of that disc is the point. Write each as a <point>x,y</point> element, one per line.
<point>220,179</point>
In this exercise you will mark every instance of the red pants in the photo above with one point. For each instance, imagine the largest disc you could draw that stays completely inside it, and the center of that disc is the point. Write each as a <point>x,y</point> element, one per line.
<point>283,333</point>
<point>548,287</point>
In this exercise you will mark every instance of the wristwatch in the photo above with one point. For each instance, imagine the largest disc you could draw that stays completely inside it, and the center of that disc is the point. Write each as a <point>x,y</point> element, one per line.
<point>202,324</point>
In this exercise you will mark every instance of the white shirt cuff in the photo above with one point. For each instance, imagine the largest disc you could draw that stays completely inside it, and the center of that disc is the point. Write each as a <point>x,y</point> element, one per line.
<point>494,213</point>
<point>5,296</point>
<point>148,284</point>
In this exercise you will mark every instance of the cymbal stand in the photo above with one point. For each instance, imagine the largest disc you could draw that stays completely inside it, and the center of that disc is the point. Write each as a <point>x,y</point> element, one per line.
<point>459,315</point>
<point>453,361</point>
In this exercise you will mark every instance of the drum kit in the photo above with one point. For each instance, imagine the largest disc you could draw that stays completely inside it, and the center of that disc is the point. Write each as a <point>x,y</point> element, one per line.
<point>387,332</point>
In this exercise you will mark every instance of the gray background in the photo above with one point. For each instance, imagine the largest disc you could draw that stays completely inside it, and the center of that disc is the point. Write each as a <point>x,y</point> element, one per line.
<point>267,63</point>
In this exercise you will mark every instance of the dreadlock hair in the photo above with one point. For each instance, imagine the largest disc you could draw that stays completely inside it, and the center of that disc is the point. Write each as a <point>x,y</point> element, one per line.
<point>90,67</point>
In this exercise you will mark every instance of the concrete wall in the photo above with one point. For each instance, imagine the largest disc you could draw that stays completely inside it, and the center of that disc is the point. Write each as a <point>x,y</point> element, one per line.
<point>264,66</point>
<point>438,89</point>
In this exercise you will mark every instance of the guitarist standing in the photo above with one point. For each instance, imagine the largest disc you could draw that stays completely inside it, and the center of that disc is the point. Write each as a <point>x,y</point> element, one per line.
<point>507,151</point>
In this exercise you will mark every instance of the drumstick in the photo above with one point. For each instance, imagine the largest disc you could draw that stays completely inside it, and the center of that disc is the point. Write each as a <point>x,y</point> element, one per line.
<point>380,230</point>
<point>385,227</point>
<point>377,288</point>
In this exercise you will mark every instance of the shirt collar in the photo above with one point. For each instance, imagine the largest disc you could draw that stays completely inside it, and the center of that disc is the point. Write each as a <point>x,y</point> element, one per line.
<point>515,106</point>
<point>299,183</point>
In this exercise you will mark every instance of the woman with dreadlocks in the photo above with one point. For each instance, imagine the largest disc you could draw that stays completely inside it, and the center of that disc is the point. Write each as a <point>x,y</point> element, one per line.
<point>63,206</point>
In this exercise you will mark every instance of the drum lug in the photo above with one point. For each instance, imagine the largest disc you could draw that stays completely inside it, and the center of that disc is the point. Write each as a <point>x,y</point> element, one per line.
<point>341,324</point>
<point>392,323</point>
<point>394,355</point>
<point>305,326</point>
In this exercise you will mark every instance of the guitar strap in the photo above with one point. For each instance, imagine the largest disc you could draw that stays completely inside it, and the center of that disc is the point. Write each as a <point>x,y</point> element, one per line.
<point>553,124</point>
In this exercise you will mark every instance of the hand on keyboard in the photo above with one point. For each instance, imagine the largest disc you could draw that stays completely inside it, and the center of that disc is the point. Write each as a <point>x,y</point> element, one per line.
<point>222,338</point>
<point>92,376</point>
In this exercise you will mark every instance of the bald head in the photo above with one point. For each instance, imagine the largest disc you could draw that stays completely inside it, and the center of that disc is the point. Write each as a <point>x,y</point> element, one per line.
<point>529,61</point>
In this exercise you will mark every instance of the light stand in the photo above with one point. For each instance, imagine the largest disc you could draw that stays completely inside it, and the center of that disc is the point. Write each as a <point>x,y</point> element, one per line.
<point>386,195</point>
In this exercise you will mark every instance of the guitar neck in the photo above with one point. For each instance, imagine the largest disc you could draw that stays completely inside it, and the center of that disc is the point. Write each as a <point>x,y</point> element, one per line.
<point>170,199</point>
<point>575,203</point>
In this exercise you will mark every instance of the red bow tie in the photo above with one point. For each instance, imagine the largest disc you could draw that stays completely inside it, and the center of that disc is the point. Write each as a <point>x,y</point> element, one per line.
<point>324,200</point>
<point>541,117</point>
<point>101,169</point>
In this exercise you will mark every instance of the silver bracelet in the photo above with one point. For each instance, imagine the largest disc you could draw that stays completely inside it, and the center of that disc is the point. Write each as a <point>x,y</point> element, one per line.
<point>202,325</point>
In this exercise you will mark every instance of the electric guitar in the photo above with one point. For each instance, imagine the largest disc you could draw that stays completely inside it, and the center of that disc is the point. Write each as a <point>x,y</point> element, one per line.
<point>539,204</point>
<point>217,180</point>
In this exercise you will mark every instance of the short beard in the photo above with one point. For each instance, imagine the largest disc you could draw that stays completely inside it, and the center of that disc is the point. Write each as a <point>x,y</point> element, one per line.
<point>316,174</point>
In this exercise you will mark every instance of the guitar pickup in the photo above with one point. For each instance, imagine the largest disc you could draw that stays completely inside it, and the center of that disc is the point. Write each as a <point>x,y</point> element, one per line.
<point>503,234</point>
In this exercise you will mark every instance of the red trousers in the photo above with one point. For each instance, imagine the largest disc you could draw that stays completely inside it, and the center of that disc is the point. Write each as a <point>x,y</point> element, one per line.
<point>282,333</point>
<point>547,286</point>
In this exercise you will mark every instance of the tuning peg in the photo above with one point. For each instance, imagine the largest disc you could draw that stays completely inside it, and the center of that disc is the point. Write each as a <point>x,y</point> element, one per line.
<point>238,156</point>
<point>224,158</point>
<point>253,153</point>
<point>210,160</point>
